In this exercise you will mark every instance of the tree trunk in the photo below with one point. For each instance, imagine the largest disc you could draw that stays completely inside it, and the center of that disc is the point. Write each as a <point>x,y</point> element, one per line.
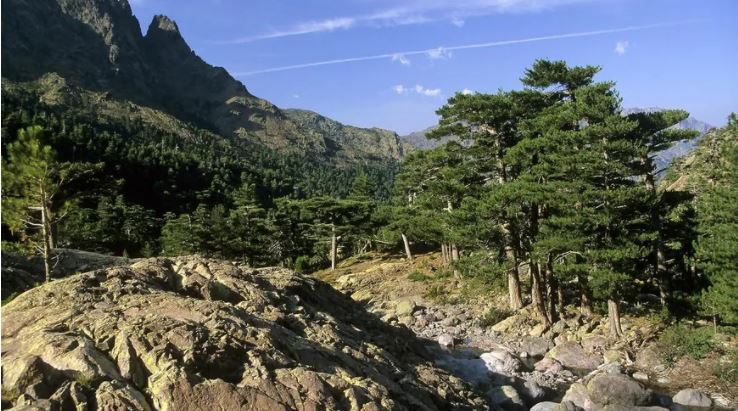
<point>46,234</point>
<point>551,295</point>
<point>455,257</point>
<point>407,247</point>
<point>444,254</point>
<point>613,314</point>
<point>536,294</point>
<point>560,303</point>
<point>513,282</point>
<point>585,306</point>
<point>333,246</point>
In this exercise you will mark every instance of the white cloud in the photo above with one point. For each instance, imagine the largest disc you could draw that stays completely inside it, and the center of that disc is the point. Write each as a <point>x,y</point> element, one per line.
<point>461,47</point>
<point>399,89</point>
<point>401,59</point>
<point>466,91</point>
<point>430,92</point>
<point>621,47</point>
<point>309,27</point>
<point>438,53</point>
<point>412,12</point>
<point>458,22</point>
<point>295,95</point>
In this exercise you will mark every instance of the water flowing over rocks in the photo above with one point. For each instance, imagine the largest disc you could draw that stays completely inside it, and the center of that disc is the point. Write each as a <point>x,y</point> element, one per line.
<point>191,333</point>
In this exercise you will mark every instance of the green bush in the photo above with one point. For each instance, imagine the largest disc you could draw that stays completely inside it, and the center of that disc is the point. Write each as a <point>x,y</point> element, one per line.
<point>493,316</point>
<point>481,267</point>
<point>678,341</point>
<point>435,292</point>
<point>727,367</point>
<point>302,263</point>
<point>417,275</point>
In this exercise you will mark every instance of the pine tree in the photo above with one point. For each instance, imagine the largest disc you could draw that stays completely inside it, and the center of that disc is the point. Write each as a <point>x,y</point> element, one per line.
<point>584,211</point>
<point>655,132</point>
<point>717,210</point>
<point>33,180</point>
<point>249,227</point>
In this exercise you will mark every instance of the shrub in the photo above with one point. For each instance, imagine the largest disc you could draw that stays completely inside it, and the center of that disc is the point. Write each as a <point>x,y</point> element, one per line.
<point>679,340</point>
<point>727,367</point>
<point>493,316</point>
<point>435,292</point>
<point>417,275</point>
<point>302,263</point>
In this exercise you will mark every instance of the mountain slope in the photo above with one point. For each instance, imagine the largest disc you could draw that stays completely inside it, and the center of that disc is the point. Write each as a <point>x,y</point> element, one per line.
<point>98,45</point>
<point>417,140</point>
<point>357,143</point>
<point>705,165</point>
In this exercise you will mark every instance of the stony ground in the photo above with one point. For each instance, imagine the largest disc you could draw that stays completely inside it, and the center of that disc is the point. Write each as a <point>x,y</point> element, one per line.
<point>191,333</point>
<point>196,334</point>
<point>512,358</point>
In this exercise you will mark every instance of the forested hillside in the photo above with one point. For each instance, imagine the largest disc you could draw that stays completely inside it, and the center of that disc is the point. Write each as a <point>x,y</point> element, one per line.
<point>137,170</point>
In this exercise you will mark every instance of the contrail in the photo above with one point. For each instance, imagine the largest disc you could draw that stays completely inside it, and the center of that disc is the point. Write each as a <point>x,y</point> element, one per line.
<point>461,47</point>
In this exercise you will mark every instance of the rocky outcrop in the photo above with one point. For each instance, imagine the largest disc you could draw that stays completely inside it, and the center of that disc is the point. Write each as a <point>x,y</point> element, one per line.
<point>191,333</point>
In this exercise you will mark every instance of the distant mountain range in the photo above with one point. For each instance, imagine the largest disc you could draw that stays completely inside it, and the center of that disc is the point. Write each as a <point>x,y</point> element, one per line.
<point>97,46</point>
<point>418,140</point>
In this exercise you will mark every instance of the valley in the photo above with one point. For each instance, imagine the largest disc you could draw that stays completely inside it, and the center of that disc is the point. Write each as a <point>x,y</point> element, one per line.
<point>172,242</point>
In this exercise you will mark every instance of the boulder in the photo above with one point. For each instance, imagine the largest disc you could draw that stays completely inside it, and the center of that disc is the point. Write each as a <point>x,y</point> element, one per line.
<point>538,330</point>
<point>405,308</point>
<point>531,391</point>
<point>508,323</point>
<point>545,406</point>
<point>535,346</point>
<point>446,341</point>
<point>611,356</point>
<point>501,362</point>
<point>692,398</point>
<point>640,376</point>
<point>594,343</point>
<point>617,389</point>
<point>571,355</point>
<point>548,365</point>
<point>578,395</point>
<point>649,360</point>
<point>507,397</point>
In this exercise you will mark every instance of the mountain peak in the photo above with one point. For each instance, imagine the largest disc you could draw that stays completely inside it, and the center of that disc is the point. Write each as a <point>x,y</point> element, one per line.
<point>163,23</point>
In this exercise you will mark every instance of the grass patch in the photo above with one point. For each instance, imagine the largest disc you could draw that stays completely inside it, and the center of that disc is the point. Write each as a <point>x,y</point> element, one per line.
<point>678,341</point>
<point>435,292</point>
<point>727,367</point>
<point>417,275</point>
<point>493,316</point>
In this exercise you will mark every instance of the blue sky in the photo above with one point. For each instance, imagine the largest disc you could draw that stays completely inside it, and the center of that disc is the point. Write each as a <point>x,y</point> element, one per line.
<point>392,63</point>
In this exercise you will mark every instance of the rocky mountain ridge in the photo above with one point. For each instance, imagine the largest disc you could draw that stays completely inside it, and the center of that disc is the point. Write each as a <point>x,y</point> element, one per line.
<point>97,45</point>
